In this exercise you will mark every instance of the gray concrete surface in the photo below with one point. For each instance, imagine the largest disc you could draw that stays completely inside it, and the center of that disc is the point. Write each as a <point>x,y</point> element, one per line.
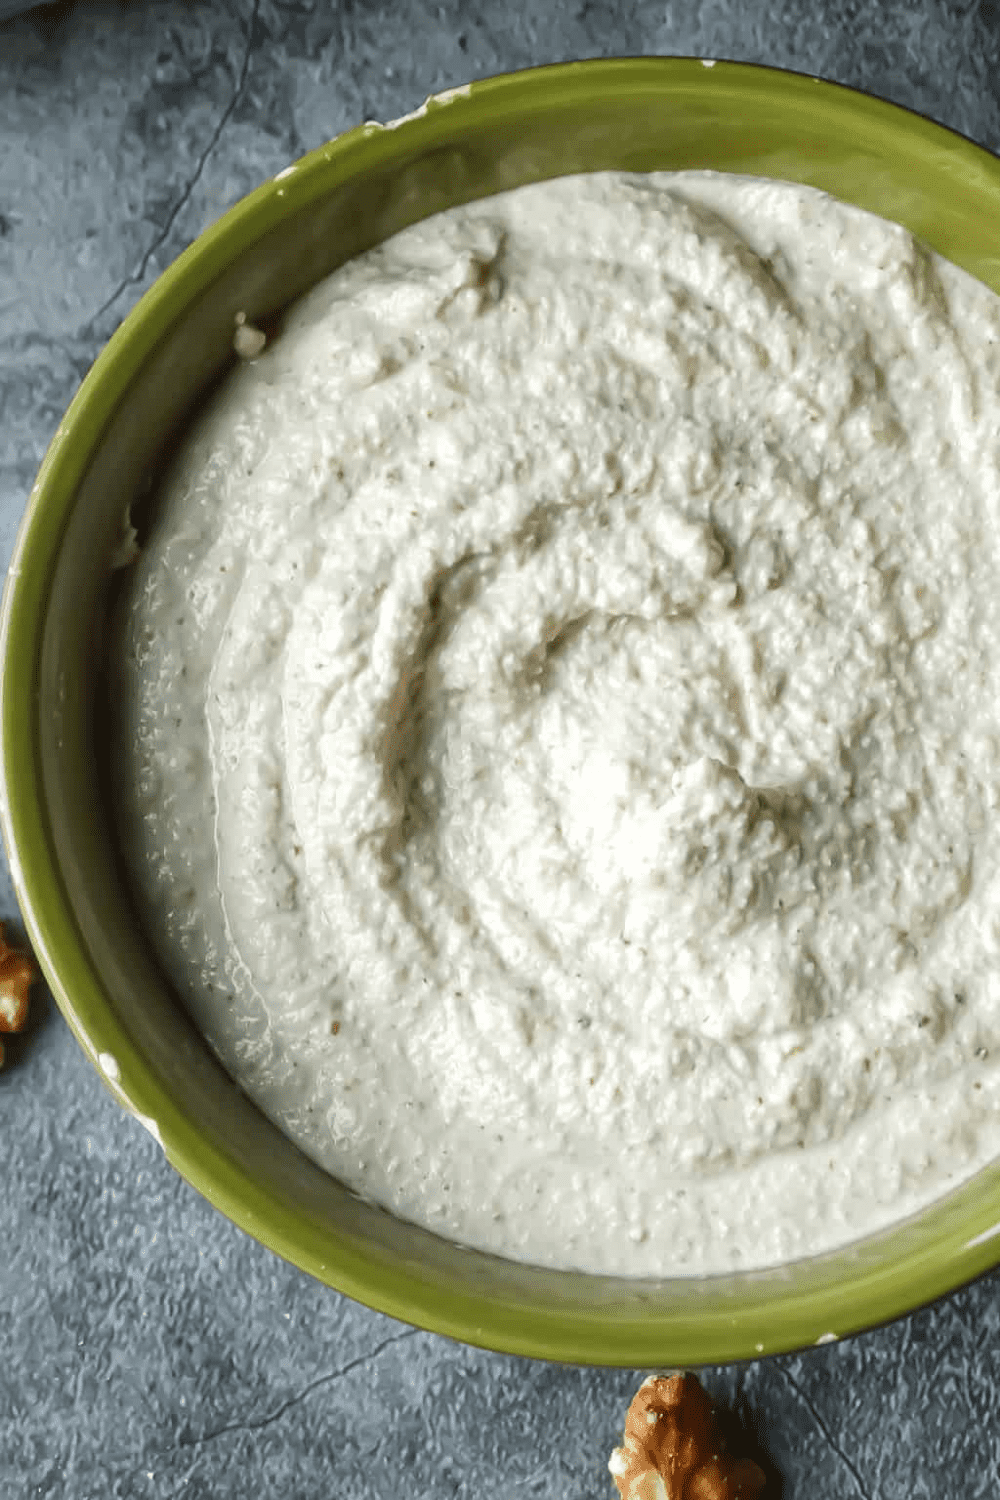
<point>147,1347</point>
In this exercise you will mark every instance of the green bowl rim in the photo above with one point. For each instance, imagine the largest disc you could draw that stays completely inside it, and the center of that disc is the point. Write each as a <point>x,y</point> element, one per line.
<point>768,1320</point>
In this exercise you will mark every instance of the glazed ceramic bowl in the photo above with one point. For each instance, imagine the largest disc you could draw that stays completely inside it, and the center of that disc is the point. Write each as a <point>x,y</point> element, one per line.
<point>635,115</point>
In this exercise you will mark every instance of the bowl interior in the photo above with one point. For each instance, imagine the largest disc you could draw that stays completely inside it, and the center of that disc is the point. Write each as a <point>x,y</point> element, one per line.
<point>632,115</point>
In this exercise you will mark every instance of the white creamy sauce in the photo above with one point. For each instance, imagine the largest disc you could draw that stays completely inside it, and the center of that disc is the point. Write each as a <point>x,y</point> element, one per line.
<point>560,743</point>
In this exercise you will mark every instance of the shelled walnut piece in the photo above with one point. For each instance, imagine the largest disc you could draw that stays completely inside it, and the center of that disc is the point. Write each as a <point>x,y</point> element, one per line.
<point>673,1450</point>
<point>18,972</point>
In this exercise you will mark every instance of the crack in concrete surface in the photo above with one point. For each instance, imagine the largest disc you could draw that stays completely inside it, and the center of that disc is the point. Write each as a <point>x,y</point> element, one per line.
<point>825,1431</point>
<point>136,276</point>
<point>322,1380</point>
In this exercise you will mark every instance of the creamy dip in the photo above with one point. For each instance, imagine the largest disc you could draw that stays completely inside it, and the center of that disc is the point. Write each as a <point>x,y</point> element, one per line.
<point>561,724</point>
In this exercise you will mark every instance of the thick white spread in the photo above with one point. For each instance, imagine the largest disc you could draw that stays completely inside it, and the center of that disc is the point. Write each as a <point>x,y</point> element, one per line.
<point>561,736</point>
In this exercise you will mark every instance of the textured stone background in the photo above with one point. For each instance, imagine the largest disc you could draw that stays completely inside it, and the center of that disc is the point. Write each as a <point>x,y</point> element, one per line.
<point>147,1348</point>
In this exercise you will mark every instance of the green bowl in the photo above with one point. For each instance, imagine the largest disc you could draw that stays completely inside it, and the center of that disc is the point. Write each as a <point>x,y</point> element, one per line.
<point>636,115</point>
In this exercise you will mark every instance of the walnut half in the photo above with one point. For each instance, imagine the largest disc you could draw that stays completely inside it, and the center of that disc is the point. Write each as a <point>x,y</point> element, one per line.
<point>672,1448</point>
<point>18,972</point>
